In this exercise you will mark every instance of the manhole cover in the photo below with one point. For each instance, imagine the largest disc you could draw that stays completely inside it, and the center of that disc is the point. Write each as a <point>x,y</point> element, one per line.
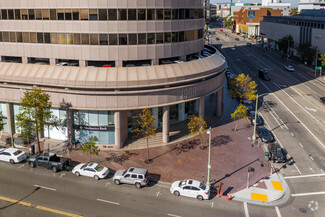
<point>303,210</point>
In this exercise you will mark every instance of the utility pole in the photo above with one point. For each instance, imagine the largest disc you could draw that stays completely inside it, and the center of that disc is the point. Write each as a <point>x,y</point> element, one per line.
<point>316,61</point>
<point>209,160</point>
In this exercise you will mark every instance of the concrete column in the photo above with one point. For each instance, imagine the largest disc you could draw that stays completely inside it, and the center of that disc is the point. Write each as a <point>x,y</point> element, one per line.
<point>121,128</point>
<point>181,111</point>
<point>82,62</point>
<point>52,61</point>
<point>219,103</point>
<point>118,63</point>
<point>201,107</point>
<point>155,114</point>
<point>155,62</point>
<point>165,128</point>
<point>10,120</point>
<point>70,124</point>
<point>183,58</point>
<point>24,59</point>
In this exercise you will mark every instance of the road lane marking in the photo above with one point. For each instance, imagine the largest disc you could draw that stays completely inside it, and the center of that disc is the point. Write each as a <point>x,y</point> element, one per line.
<point>294,116</point>
<point>278,211</point>
<point>308,194</point>
<point>107,184</point>
<point>301,145</point>
<point>271,112</point>
<point>212,203</point>
<point>304,176</point>
<point>322,171</point>
<point>174,215</point>
<point>311,157</point>
<point>51,189</point>
<point>311,109</point>
<point>158,193</point>
<point>107,201</point>
<point>292,134</point>
<point>56,211</point>
<point>246,209</point>
<point>21,166</point>
<point>15,201</point>
<point>63,174</point>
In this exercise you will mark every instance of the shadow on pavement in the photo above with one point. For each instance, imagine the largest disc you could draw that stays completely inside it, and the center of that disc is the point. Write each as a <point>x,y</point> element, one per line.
<point>154,179</point>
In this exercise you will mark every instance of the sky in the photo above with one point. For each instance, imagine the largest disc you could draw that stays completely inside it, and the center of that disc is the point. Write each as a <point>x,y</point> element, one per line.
<point>294,3</point>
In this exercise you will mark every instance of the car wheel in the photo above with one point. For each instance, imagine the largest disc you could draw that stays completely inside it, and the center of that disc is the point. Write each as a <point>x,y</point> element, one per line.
<point>31,165</point>
<point>54,170</point>
<point>176,193</point>
<point>117,182</point>
<point>137,185</point>
<point>199,197</point>
<point>77,174</point>
<point>11,161</point>
<point>96,177</point>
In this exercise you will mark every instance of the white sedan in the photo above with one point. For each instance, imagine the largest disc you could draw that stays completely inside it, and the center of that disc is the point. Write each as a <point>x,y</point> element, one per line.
<point>290,68</point>
<point>191,188</point>
<point>91,170</point>
<point>12,155</point>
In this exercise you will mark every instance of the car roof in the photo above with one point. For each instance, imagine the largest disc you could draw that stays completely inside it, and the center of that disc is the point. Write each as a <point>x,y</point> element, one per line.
<point>262,128</point>
<point>137,170</point>
<point>11,150</point>
<point>193,183</point>
<point>92,165</point>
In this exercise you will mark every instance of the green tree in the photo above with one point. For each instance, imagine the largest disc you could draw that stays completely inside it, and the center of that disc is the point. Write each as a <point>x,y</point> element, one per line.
<point>146,128</point>
<point>228,21</point>
<point>239,114</point>
<point>1,121</point>
<point>284,42</point>
<point>244,88</point>
<point>197,125</point>
<point>34,113</point>
<point>322,59</point>
<point>294,11</point>
<point>90,147</point>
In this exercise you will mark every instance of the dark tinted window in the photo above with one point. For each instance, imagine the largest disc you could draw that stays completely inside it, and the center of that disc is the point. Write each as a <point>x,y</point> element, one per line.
<point>31,14</point>
<point>181,36</point>
<point>151,38</point>
<point>112,14</point>
<point>113,39</point>
<point>11,14</point>
<point>142,38</point>
<point>103,39</point>
<point>175,14</point>
<point>151,14</point>
<point>75,14</point>
<point>93,14</point>
<point>19,36</point>
<point>122,14</point>
<point>123,39</point>
<point>40,38</point>
<point>102,14</point>
<point>168,14</point>
<point>168,37</point>
<point>159,38</point>
<point>187,188</point>
<point>68,14</point>
<point>47,38</point>
<point>195,188</point>
<point>4,14</point>
<point>134,176</point>
<point>160,14</point>
<point>181,14</point>
<point>142,14</point>
<point>132,14</point>
<point>17,14</point>
<point>133,39</point>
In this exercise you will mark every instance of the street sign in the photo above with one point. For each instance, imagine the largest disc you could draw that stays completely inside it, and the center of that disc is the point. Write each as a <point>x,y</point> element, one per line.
<point>250,14</point>
<point>318,67</point>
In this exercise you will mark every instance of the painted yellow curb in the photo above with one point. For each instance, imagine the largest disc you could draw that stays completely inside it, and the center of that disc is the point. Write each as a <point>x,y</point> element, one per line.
<point>277,185</point>
<point>257,196</point>
<point>57,211</point>
<point>15,201</point>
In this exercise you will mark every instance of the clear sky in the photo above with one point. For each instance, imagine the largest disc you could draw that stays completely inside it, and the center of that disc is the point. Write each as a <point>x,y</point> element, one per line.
<point>294,3</point>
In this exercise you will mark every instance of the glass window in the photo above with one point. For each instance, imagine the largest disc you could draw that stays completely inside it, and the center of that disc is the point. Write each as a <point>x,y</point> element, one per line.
<point>142,14</point>
<point>160,14</point>
<point>84,14</point>
<point>174,14</point>
<point>26,37</point>
<point>85,38</point>
<point>94,39</point>
<point>54,38</point>
<point>67,14</point>
<point>111,117</point>
<point>60,14</point>
<point>159,38</point>
<point>181,36</point>
<point>142,38</point>
<point>19,36</point>
<point>102,118</point>
<point>122,14</point>
<point>40,37</point>
<point>113,39</point>
<point>93,118</point>
<point>12,37</point>
<point>167,14</point>
<point>75,14</point>
<point>132,14</point>
<point>31,14</point>
<point>38,14</point>
<point>93,14</point>
<point>5,36</point>
<point>24,14</point>
<point>62,39</point>
<point>103,39</point>
<point>47,38</point>
<point>1,37</point>
<point>11,14</point>
<point>132,39</point>
<point>175,37</point>
<point>181,14</point>
<point>112,14</point>
<point>151,38</point>
<point>46,14</point>
<point>17,14</point>
<point>196,13</point>
<point>195,34</point>
<point>187,13</point>
<point>53,14</point>
<point>189,35</point>
<point>168,37</point>
<point>76,38</point>
<point>123,39</point>
<point>151,14</point>
<point>4,14</point>
<point>33,38</point>
<point>192,13</point>
<point>102,14</point>
<point>69,38</point>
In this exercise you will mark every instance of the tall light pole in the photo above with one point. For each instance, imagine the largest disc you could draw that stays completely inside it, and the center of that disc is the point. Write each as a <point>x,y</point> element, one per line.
<point>316,60</point>
<point>254,133</point>
<point>209,160</point>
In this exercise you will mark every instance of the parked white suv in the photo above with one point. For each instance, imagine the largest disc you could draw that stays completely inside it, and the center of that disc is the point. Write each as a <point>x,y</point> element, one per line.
<point>134,176</point>
<point>191,188</point>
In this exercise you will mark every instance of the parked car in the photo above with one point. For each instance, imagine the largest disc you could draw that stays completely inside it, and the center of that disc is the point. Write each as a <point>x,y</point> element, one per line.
<point>277,154</point>
<point>233,48</point>
<point>264,74</point>
<point>265,134</point>
<point>248,105</point>
<point>322,99</point>
<point>249,44</point>
<point>49,161</point>
<point>218,39</point>
<point>12,155</point>
<point>177,61</point>
<point>91,170</point>
<point>134,176</point>
<point>289,68</point>
<point>237,39</point>
<point>259,119</point>
<point>63,64</point>
<point>191,188</point>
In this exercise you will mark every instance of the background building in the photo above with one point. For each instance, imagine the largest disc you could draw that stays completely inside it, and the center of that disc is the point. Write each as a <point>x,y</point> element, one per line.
<point>311,4</point>
<point>137,41</point>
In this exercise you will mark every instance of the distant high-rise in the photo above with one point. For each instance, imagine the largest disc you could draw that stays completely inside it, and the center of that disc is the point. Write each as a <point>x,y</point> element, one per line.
<point>311,4</point>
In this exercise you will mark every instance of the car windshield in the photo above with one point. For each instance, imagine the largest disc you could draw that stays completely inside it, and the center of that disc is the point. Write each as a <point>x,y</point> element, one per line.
<point>203,186</point>
<point>17,152</point>
<point>124,173</point>
<point>182,183</point>
<point>83,166</point>
<point>99,168</point>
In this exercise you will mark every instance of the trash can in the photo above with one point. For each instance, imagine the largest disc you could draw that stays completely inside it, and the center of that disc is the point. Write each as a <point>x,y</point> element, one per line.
<point>32,149</point>
<point>267,156</point>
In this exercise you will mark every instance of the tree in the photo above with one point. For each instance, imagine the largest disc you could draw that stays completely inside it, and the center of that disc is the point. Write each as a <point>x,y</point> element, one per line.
<point>90,147</point>
<point>284,42</point>
<point>294,11</point>
<point>322,59</point>
<point>1,121</point>
<point>197,125</point>
<point>35,113</point>
<point>228,21</point>
<point>239,114</point>
<point>244,88</point>
<point>146,129</point>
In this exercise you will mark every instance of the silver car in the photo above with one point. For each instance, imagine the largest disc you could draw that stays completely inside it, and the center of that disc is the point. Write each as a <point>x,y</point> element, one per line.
<point>134,176</point>
<point>191,188</point>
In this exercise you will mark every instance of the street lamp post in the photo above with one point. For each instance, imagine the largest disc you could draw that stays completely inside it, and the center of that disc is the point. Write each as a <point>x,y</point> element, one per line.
<point>316,61</point>
<point>254,133</point>
<point>209,160</point>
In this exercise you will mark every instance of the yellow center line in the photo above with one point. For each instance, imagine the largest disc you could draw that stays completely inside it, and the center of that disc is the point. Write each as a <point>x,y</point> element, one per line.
<point>15,201</point>
<point>57,211</point>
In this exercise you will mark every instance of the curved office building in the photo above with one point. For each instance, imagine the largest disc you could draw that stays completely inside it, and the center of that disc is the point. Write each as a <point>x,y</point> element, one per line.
<point>122,56</point>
